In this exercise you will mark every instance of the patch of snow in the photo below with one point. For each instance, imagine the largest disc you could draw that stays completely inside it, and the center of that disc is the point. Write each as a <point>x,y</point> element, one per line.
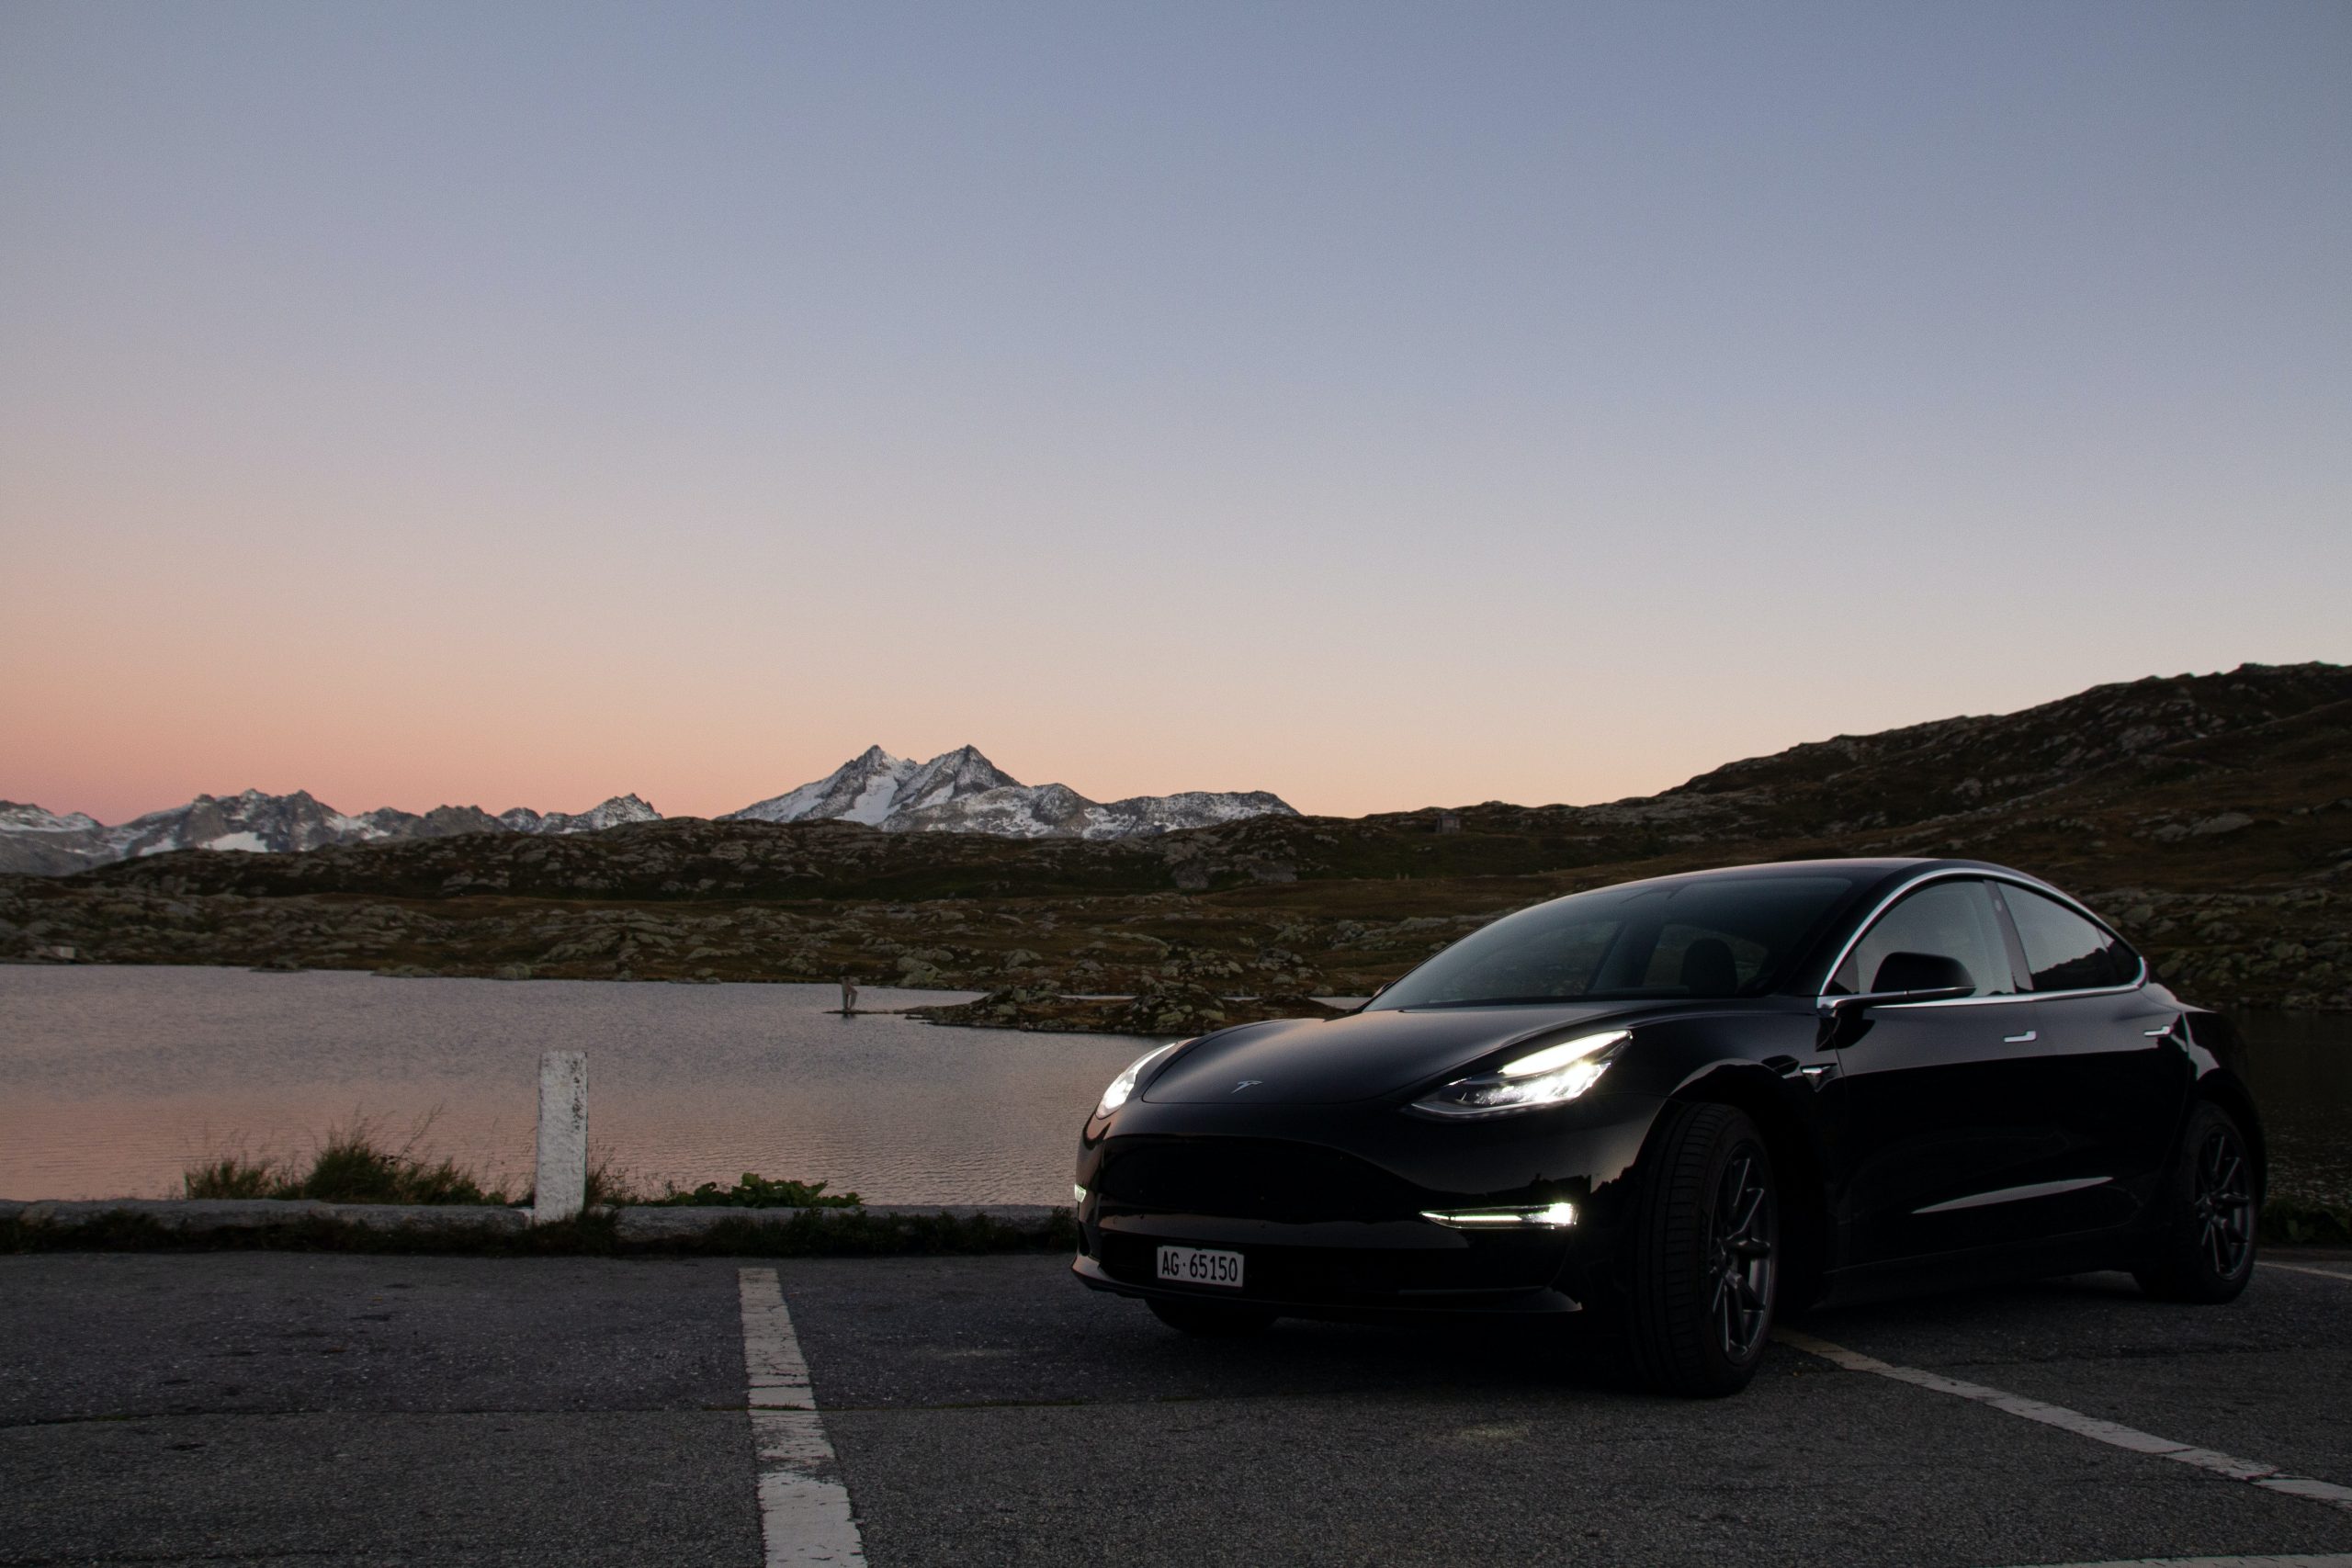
<point>248,842</point>
<point>16,818</point>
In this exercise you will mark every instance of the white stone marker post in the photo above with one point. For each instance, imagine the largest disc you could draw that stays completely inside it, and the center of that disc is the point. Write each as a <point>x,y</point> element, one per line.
<point>562,1186</point>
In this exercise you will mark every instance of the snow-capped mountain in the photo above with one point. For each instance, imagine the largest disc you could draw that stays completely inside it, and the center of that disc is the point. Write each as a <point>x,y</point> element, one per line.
<point>45,843</point>
<point>963,792</point>
<point>614,813</point>
<point>874,786</point>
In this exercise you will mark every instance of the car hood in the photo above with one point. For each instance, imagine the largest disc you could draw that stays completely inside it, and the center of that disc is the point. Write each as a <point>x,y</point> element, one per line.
<point>1364,1056</point>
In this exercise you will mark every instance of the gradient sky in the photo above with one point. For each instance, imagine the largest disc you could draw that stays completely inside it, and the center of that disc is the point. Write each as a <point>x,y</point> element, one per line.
<point>1385,405</point>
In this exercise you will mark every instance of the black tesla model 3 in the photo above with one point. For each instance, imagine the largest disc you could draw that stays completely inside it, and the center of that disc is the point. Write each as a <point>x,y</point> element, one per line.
<point>1679,1105</point>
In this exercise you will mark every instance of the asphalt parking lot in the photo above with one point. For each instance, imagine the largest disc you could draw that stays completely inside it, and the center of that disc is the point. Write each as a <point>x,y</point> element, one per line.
<point>274,1407</point>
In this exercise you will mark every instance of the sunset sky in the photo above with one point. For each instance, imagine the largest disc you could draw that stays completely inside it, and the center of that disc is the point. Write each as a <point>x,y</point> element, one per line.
<point>1382,405</point>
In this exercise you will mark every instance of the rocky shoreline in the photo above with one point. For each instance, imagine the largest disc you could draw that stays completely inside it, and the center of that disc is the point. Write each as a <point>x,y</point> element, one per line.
<point>1166,1010</point>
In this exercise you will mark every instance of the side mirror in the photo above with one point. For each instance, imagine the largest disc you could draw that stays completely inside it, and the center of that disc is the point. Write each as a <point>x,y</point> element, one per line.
<point>1911,977</point>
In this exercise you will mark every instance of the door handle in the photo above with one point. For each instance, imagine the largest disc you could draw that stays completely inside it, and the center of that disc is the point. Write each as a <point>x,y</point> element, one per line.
<point>2028,1038</point>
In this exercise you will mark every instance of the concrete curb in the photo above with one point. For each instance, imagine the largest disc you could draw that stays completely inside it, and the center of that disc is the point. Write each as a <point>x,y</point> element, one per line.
<point>666,1223</point>
<point>264,1214</point>
<point>631,1224</point>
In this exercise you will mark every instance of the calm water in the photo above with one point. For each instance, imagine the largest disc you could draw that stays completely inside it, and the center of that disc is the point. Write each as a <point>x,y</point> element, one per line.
<point>113,1079</point>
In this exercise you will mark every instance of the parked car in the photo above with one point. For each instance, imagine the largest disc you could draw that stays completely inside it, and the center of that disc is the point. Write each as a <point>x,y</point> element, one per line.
<point>1683,1105</point>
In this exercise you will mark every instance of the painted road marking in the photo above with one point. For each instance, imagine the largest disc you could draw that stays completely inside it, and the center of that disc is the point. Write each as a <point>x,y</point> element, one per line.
<point>2291,1560</point>
<point>2266,1476</point>
<point>2303,1269</point>
<point>804,1507</point>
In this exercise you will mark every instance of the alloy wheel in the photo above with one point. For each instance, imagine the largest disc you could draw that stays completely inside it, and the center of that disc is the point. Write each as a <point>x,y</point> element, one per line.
<point>1740,1257</point>
<point>2224,1206</point>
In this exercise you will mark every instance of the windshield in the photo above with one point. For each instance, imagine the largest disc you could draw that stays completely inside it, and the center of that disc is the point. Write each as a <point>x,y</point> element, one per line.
<point>1712,936</point>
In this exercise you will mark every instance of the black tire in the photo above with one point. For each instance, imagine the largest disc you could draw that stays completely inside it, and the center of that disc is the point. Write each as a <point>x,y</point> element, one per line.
<point>1704,1265</point>
<point>2205,1236</point>
<point>1211,1320</point>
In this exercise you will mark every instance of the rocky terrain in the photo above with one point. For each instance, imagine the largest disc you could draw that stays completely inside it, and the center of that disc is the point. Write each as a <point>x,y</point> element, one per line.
<point>1163,1006</point>
<point>959,792</point>
<point>2210,817</point>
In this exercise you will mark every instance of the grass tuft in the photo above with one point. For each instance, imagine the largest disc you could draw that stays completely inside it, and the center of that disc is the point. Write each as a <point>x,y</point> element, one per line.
<point>233,1176</point>
<point>355,1163</point>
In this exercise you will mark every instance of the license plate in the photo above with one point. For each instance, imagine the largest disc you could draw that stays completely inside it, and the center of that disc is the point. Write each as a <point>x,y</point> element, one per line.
<point>1198,1266</point>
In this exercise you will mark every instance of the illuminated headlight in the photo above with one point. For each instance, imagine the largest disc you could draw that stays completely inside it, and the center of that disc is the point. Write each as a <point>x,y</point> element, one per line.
<point>1536,1216</point>
<point>1123,1088</point>
<point>1553,1075</point>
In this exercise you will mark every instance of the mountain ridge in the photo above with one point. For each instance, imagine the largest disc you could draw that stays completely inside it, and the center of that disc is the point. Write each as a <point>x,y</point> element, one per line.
<point>956,792</point>
<point>41,842</point>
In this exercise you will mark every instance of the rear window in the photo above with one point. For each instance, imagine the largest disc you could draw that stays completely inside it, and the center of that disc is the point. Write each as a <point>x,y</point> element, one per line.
<point>1715,936</point>
<point>2065,951</point>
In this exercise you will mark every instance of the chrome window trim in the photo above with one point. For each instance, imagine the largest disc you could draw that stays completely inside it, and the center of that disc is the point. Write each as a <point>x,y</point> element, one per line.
<point>2015,879</point>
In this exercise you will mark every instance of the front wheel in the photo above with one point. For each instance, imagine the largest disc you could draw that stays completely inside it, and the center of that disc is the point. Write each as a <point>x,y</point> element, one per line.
<point>1705,1264</point>
<point>2204,1247</point>
<point>1212,1319</point>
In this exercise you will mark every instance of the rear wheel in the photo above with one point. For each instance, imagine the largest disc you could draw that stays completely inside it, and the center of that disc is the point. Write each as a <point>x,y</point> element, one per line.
<point>1706,1237</point>
<point>1213,1320</point>
<point>2204,1250</point>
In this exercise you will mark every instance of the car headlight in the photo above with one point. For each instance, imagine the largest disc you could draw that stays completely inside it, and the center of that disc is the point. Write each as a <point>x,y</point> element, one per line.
<point>1553,1075</point>
<point>1123,1088</point>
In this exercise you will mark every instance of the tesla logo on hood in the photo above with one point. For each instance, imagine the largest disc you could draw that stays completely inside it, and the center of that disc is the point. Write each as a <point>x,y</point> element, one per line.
<point>1244,1083</point>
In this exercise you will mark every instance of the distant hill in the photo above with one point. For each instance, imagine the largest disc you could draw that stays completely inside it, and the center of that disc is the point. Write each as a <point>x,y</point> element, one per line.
<point>2211,816</point>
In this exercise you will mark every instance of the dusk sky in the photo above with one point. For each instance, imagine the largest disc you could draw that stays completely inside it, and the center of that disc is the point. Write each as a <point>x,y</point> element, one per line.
<point>1382,405</point>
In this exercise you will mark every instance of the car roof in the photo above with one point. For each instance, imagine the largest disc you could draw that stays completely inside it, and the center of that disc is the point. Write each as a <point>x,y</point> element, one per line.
<point>1878,866</point>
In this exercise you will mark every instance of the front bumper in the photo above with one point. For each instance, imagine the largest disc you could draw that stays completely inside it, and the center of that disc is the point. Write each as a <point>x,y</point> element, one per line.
<point>1306,1290</point>
<point>1325,1206</point>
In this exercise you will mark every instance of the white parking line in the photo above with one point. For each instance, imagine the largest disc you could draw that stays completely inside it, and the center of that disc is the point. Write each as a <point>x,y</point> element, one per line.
<point>2303,1268</point>
<point>2266,1476</point>
<point>804,1507</point>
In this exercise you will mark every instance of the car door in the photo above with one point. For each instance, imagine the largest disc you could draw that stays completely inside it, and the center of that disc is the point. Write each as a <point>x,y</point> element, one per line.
<point>1942,1104</point>
<point>2120,1069</point>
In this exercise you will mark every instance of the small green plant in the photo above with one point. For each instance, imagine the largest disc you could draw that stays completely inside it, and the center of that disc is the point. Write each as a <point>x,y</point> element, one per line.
<point>757,1191</point>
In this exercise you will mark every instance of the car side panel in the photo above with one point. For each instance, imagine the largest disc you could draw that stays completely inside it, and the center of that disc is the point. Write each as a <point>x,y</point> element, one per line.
<point>2125,1080</point>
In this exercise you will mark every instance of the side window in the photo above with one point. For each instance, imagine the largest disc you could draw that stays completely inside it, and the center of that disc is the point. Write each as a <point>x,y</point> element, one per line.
<point>1951,920</point>
<point>2065,951</point>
